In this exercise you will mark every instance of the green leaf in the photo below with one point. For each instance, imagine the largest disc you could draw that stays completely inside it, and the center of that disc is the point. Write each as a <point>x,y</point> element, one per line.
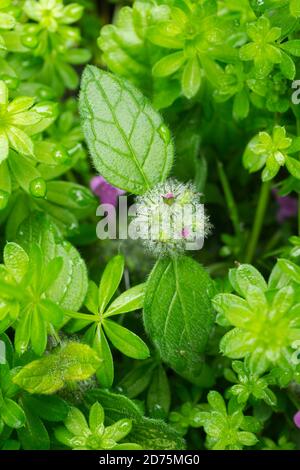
<point>19,141</point>
<point>4,147</point>
<point>137,379</point>
<point>70,286</point>
<point>116,406</point>
<point>151,434</point>
<point>235,309</point>
<point>69,195</point>
<point>12,414</point>
<point>33,435</point>
<point>38,333</point>
<point>24,172</point>
<point>217,402</point>
<point>51,408</point>
<point>241,105</point>
<point>295,8</point>
<point>159,394</point>
<point>118,430</point>
<point>126,137</point>
<point>126,341</point>
<point>51,312</point>
<point>105,373</point>
<point>23,332</point>
<point>130,300</point>
<point>292,47</point>
<point>191,78</point>
<point>72,362</point>
<point>178,313</point>
<point>53,269</point>
<point>91,299</point>
<point>244,277</point>
<point>290,268</point>
<point>235,343</point>
<point>287,66</point>
<point>76,422</point>
<point>295,146</point>
<point>110,281</point>
<point>16,260</point>
<point>168,64</point>
<point>293,166</point>
<point>96,417</point>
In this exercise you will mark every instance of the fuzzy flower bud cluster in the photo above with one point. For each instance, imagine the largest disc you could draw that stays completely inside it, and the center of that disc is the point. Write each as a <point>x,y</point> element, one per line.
<point>170,218</point>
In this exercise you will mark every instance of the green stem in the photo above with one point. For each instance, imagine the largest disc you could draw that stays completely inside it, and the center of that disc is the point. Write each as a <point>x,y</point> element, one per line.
<point>299,214</point>
<point>233,212</point>
<point>55,335</point>
<point>258,221</point>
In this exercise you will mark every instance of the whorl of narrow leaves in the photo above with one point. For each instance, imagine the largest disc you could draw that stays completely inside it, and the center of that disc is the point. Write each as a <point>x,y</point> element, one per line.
<point>151,434</point>
<point>178,314</point>
<point>128,141</point>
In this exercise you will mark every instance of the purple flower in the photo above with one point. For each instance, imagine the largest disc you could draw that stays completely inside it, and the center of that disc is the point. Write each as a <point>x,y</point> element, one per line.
<point>107,193</point>
<point>297,419</point>
<point>288,206</point>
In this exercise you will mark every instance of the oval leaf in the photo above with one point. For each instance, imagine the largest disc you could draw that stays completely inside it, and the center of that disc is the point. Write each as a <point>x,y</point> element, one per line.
<point>129,143</point>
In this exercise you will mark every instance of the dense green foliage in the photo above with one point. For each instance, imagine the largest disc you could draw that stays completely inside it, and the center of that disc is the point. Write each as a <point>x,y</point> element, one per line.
<point>112,344</point>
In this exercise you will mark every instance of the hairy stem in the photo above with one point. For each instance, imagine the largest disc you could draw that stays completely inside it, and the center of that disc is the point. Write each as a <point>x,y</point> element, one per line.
<point>258,221</point>
<point>233,212</point>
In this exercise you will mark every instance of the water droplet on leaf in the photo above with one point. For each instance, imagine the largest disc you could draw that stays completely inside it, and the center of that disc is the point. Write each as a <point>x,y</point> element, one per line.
<point>4,197</point>
<point>60,155</point>
<point>11,82</point>
<point>29,41</point>
<point>80,196</point>
<point>164,133</point>
<point>38,187</point>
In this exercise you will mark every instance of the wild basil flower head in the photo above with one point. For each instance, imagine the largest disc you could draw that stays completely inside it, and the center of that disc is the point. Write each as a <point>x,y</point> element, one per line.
<point>169,217</point>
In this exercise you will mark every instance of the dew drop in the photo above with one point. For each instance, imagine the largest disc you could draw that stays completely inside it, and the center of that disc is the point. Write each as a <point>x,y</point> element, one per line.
<point>38,187</point>
<point>60,155</point>
<point>11,82</point>
<point>4,197</point>
<point>45,93</point>
<point>82,198</point>
<point>164,133</point>
<point>73,229</point>
<point>30,41</point>
<point>45,109</point>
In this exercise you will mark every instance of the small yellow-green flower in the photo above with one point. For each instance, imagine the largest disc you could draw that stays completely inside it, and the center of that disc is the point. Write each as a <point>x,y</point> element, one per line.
<point>193,32</point>
<point>272,151</point>
<point>7,20</point>
<point>51,29</point>
<point>19,119</point>
<point>52,14</point>
<point>263,48</point>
